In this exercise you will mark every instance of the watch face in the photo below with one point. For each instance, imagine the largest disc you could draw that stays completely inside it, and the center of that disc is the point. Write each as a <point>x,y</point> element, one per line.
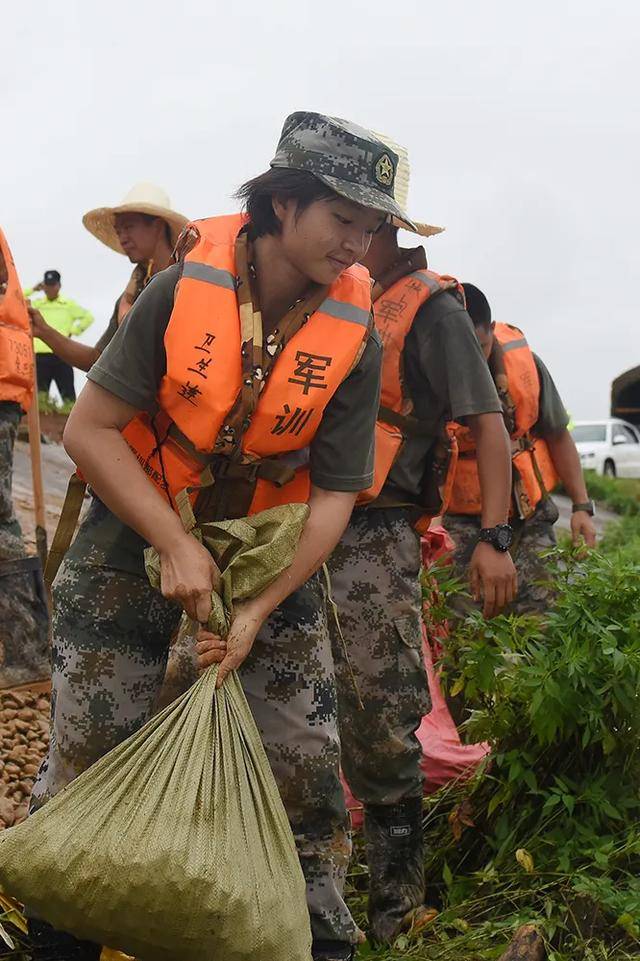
<point>504,538</point>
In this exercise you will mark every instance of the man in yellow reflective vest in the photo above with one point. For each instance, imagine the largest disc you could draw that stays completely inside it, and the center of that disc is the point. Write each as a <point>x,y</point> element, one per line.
<point>66,317</point>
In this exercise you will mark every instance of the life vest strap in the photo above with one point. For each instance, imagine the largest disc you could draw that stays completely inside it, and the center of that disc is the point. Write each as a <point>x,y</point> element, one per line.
<point>66,528</point>
<point>410,426</point>
<point>265,468</point>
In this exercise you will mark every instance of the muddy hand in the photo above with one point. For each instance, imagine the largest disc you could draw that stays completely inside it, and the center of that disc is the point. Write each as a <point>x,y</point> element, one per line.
<point>188,575</point>
<point>210,648</point>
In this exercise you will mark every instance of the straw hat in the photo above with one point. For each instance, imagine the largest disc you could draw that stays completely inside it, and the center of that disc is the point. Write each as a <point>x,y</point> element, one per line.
<point>401,189</point>
<point>144,198</point>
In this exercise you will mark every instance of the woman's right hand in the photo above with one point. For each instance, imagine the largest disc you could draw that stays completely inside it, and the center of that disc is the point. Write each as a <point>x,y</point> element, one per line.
<point>188,575</point>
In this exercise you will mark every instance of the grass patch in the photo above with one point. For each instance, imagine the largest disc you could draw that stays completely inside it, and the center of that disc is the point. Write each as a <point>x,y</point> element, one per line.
<point>619,494</point>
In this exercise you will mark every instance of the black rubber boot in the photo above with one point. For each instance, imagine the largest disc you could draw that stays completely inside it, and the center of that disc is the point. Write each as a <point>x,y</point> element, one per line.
<point>333,951</point>
<point>394,849</point>
<point>47,944</point>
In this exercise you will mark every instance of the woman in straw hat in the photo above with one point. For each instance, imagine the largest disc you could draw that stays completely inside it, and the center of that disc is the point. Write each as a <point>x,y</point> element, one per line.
<point>433,371</point>
<point>258,347</point>
<point>144,228</point>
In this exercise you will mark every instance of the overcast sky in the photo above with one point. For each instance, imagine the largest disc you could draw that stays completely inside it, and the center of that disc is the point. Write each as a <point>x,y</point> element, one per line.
<point>522,123</point>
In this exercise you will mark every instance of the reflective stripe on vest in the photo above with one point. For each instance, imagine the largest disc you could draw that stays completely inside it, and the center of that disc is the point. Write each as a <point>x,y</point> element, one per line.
<point>223,278</point>
<point>16,345</point>
<point>209,275</point>
<point>203,378</point>
<point>514,344</point>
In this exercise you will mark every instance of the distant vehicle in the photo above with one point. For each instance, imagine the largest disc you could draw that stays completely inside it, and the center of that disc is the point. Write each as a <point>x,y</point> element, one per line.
<point>625,397</point>
<point>609,447</point>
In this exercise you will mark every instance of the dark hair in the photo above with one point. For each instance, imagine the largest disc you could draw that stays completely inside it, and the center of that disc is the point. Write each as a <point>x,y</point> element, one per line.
<point>285,184</point>
<point>477,306</point>
<point>149,218</point>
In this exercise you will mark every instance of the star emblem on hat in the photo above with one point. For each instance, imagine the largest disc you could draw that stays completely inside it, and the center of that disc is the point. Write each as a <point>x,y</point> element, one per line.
<point>384,170</point>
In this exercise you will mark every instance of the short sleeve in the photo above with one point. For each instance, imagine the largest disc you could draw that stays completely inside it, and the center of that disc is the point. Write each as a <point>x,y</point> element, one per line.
<point>552,415</point>
<point>342,451</point>
<point>451,360</point>
<point>134,362</point>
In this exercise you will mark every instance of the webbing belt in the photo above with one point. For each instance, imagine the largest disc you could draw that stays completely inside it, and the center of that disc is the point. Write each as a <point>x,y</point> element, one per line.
<point>266,468</point>
<point>66,527</point>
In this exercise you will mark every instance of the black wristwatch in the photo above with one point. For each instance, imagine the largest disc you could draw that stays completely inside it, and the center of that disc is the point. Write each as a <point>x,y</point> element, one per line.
<point>588,507</point>
<point>500,537</point>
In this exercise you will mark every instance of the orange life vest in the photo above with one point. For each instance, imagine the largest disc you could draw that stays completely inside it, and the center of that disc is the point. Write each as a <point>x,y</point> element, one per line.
<point>16,345</point>
<point>177,447</point>
<point>394,312</point>
<point>534,473</point>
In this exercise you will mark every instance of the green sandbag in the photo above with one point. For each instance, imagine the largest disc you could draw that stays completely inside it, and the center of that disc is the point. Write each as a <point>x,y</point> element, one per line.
<point>176,846</point>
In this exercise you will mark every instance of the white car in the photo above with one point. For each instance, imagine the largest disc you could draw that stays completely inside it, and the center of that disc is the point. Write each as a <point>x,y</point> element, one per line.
<point>610,447</point>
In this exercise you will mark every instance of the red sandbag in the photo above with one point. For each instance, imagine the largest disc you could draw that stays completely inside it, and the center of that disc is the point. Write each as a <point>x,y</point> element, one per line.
<point>444,757</point>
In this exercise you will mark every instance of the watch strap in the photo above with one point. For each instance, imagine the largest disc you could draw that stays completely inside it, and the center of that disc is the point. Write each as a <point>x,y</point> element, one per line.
<point>500,537</point>
<point>587,506</point>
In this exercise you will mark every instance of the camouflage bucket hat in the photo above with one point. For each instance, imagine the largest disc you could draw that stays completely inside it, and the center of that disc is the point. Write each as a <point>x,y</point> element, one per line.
<point>351,160</point>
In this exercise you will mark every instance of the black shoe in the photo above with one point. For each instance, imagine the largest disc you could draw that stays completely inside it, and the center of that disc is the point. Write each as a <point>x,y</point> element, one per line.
<point>394,850</point>
<point>47,944</point>
<point>333,951</point>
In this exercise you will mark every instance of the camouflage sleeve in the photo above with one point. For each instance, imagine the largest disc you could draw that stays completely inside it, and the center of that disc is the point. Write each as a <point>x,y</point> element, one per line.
<point>134,362</point>
<point>552,415</point>
<point>341,456</point>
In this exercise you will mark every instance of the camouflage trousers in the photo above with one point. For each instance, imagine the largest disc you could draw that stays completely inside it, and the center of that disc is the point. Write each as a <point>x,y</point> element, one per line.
<point>375,585</point>
<point>531,538</point>
<point>111,635</point>
<point>11,543</point>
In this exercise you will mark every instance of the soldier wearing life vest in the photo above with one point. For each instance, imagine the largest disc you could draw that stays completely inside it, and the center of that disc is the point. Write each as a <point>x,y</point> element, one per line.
<point>543,453</point>
<point>16,392</point>
<point>144,228</point>
<point>433,370</point>
<point>254,363</point>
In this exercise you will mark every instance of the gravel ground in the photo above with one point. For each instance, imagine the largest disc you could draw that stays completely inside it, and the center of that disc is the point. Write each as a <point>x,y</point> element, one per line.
<point>24,739</point>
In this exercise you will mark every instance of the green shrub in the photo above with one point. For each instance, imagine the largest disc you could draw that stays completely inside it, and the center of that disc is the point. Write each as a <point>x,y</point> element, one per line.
<point>558,697</point>
<point>549,831</point>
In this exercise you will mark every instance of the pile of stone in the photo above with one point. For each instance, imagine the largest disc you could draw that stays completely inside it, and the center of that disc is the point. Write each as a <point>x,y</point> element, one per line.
<point>24,740</point>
